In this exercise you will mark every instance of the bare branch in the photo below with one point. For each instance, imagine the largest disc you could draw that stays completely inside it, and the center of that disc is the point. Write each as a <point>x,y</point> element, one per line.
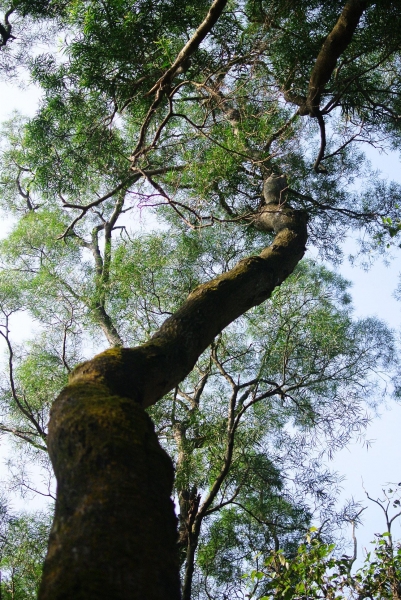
<point>317,168</point>
<point>26,410</point>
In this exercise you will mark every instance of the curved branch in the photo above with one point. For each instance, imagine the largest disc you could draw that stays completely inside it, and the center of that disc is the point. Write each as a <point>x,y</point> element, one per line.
<point>25,410</point>
<point>5,30</point>
<point>193,44</point>
<point>148,372</point>
<point>334,45</point>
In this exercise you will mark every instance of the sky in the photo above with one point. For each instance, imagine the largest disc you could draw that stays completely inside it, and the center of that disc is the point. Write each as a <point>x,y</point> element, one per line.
<point>368,467</point>
<point>376,465</point>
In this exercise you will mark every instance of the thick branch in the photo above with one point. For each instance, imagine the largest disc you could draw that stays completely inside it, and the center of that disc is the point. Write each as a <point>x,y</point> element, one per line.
<point>5,30</point>
<point>102,276</point>
<point>107,326</point>
<point>193,44</point>
<point>148,372</point>
<point>334,45</point>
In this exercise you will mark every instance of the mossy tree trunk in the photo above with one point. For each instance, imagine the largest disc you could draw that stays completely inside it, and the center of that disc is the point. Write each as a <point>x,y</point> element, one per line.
<point>114,533</point>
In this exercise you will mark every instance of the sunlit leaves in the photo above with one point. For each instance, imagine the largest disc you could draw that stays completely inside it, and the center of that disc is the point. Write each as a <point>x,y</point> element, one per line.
<point>317,571</point>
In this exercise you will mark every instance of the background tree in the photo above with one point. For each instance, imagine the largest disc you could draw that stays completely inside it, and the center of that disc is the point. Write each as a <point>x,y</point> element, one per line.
<point>317,572</point>
<point>23,541</point>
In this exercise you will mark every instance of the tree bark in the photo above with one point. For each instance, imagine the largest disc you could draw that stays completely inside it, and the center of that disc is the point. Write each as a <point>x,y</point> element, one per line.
<point>114,533</point>
<point>333,47</point>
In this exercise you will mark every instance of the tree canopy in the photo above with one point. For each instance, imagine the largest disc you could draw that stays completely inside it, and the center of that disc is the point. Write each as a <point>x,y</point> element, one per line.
<point>237,128</point>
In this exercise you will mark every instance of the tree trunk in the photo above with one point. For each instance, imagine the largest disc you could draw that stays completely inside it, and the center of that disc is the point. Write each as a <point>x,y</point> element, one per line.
<point>114,533</point>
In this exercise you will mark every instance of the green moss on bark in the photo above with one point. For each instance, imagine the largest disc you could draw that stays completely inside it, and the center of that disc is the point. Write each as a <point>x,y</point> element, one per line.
<point>114,533</point>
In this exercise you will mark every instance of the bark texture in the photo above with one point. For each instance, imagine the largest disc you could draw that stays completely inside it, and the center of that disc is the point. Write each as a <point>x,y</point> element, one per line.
<point>114,533</point>
<point>333,47</point>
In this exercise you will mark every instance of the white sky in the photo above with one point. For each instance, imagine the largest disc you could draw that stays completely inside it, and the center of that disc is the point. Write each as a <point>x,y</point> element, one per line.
<point>372,293</point>
<point>371,467</point>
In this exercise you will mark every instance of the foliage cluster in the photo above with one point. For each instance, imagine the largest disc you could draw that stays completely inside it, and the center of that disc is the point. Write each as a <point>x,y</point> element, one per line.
<point>316,571</point>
